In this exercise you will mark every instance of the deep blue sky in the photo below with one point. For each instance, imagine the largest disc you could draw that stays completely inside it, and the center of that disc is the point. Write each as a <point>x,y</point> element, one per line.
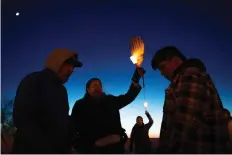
<point>100,31</point>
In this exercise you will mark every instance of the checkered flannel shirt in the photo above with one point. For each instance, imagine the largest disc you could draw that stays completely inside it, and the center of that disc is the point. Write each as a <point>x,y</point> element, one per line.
<point>193,120</point>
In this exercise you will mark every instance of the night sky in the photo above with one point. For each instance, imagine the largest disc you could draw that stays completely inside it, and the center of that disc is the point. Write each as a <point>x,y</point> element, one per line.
<point>100,31</point>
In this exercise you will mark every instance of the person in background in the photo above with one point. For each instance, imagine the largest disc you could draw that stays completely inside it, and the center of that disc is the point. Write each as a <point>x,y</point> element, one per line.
<point>96,117</point>
<point>140,136</point>
<point>193,116</point>
<point>41,108</point>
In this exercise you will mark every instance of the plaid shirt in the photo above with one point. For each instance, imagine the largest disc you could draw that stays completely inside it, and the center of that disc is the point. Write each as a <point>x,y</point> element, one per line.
<point>193,119</point>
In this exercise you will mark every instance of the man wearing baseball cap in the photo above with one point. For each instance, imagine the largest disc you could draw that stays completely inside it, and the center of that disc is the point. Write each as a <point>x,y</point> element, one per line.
<point>41,108</point>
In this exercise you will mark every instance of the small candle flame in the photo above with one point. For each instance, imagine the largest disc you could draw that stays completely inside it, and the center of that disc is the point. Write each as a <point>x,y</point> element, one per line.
<point>145,104</point>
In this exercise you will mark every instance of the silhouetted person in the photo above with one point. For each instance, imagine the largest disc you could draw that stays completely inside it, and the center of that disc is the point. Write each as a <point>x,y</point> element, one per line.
<point>41,108</point>
<point>140,136</point>
<point>97,119</point>
<point>193,117</point>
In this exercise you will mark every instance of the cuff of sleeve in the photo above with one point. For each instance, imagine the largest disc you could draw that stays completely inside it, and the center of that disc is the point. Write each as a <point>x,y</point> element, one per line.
<point>137,85</point>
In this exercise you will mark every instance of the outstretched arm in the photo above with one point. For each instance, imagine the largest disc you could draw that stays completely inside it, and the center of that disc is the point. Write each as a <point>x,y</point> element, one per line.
<point>132,93</point>
<point>150,123</point>
<point>125,99</point>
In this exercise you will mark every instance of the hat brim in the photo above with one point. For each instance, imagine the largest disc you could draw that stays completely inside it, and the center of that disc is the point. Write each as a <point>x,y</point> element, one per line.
<point>73,62</point>
<point>77,64</point>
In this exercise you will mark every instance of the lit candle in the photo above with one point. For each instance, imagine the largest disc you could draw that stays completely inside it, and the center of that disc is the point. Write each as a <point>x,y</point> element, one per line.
<point>145,105</point>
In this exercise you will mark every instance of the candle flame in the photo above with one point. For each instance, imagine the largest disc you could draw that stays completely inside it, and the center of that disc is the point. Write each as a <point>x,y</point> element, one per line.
<point>145,104</point>
<point>137,50</point>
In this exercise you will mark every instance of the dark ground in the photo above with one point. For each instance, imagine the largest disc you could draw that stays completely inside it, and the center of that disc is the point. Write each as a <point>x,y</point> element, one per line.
<point>9,141</point>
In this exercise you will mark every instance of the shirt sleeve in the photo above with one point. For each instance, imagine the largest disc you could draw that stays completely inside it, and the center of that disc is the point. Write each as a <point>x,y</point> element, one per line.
<point>150,123</point>
<point>125,99</point>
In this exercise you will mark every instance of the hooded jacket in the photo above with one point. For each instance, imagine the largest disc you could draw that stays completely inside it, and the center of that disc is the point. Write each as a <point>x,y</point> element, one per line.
<point>41,110</point>
<point>193,116</point>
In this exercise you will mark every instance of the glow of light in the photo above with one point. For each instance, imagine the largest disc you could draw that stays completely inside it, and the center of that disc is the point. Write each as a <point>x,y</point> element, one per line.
<point>17,14</point>
<point>145,104</point>
<point>137,50</point>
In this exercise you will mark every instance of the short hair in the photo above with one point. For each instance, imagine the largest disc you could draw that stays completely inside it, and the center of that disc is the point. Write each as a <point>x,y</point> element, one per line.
<point>90,82</point>
<point>166,53</point>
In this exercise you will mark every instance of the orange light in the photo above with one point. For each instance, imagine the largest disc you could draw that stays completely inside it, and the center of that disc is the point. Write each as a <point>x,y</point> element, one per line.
<point>137,50</point>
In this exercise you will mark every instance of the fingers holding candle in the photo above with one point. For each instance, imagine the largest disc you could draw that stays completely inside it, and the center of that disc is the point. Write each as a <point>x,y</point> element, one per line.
<point>141,71</point>
<point>138,73</point>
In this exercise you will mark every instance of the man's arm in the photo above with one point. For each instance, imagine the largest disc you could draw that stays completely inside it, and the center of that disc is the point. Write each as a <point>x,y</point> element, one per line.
<point>78,121</point>
<point>125,99</point>
<point>215,116</point>
<point>26,111</point>
<point>190,94</point>
<point>150,123</point>
<point>132,93</point>
<point>76,116</point>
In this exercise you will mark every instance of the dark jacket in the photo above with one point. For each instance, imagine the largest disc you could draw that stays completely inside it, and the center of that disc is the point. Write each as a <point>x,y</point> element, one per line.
<point>140,137</point>
<point>41,110</point>
<point>96,118</point>
<point>193,115</point>
<point>41,114</point>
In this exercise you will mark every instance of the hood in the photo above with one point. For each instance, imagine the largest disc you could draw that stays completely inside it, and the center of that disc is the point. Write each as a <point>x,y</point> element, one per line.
<point>57,58</point>
<point>190,67</point>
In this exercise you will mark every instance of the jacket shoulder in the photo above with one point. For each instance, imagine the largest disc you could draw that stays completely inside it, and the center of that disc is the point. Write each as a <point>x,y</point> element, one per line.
<point>110,96</point>
<point>77,107</point>
<point>79,103</point>
<point>31,79</point>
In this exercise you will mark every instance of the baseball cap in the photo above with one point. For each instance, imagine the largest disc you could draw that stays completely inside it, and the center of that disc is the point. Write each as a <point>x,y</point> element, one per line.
<point>74,61</point>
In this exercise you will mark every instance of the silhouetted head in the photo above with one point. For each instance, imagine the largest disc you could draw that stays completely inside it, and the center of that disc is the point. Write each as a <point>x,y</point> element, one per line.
<point>62,62</point>
<point>139,121</point>
<point>94,87</point>
<point>167,60</point>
